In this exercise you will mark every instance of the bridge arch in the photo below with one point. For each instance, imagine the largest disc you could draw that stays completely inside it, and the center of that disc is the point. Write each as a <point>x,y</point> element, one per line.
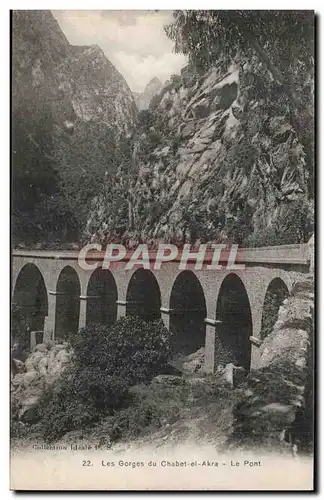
<point>234,311</point>
<point>187,313</point>
<point>67,312</point>
<point>277,291</point>
<point>29,301</point>
<point>101,298</point>
<point>143,297</point>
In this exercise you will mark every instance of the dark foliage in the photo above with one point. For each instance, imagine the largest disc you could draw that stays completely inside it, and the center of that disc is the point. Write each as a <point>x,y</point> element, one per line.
<point>272,302</point>
<point>107,361</point>
<point>133,348</point>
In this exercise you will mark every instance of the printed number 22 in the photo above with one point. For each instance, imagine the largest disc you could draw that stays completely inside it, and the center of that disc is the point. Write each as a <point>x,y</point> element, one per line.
<point>86,463</point>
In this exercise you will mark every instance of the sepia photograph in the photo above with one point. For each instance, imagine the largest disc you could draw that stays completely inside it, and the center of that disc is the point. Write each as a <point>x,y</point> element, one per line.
<point>162,250</point>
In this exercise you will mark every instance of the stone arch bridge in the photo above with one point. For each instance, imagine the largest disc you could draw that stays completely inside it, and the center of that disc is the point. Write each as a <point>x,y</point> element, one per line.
<point>221,310</point>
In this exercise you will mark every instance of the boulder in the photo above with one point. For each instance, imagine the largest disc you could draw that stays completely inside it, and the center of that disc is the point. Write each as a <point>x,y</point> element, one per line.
<point>62,356</point>
<point>32,361</point>
<point>17,380</point>
<point>41,348</point>
<point>59,362</point>
<point>29,378</point>
<point>193,363</point>
<point>50,360</point>
<point>18,366</point>
<point>42,365</point>
<point>58,347</point>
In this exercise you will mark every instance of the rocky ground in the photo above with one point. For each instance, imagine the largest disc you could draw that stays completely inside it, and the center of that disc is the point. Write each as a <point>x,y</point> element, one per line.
<point>29,379</point>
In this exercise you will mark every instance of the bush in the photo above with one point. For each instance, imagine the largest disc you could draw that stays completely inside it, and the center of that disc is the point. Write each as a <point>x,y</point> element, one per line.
<point>63,409</point>
<point>107,361</point>
<point>133,349</point>
<point>147,411</point>
<point>154,138</point>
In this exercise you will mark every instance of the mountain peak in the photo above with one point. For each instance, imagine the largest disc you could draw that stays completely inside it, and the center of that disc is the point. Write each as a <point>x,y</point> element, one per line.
<point>154,81</point>
<point>152,88</point>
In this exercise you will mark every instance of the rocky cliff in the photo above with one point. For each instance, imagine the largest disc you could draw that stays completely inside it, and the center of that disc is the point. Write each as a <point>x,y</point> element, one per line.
<point>215,158</point>
<point>80,81</point>
<point>277,405</point>
<point>143,99</point>
<point>70,109</point>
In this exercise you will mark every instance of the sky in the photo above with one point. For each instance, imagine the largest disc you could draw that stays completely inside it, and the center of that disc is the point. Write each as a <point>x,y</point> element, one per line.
<point>133,40</point>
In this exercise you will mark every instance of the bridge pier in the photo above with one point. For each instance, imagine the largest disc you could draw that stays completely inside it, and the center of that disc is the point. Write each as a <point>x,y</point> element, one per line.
<point>165,316</point>
<point>210,348</point>
<point>210,344</point>
<point>83,311</point>
<point>255,353</point>
<point>121,308</point>
<point>49,325</point>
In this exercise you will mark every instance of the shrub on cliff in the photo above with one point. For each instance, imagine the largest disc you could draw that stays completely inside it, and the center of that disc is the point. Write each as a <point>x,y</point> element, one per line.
<point>78,399</point>
<point>107,361</point>
<point>293,224</point>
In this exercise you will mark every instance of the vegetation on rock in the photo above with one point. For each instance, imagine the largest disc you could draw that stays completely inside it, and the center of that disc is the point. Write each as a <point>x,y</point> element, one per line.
<point>106,362</point>
<point>225,151</point>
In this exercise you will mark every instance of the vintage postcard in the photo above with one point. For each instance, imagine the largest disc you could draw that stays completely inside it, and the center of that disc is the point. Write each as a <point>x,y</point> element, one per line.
<point>162,308</point>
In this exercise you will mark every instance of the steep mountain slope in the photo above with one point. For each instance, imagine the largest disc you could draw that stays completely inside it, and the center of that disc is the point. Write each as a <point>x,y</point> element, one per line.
<point>70,109</point>
<point>215,158</point>
<point>143,99</point>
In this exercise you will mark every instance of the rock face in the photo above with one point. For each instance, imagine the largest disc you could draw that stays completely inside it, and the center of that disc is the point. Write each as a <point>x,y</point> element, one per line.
<point>71,109</point>
<point>40,370</point>
<point>213,152</point>
<point>143,99</point>
<point>278,399</point>
<point>80,81</point>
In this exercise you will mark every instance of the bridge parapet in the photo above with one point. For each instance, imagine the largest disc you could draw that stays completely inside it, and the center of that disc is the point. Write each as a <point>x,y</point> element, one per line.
<point>281,254</point>
<point>298,254</point>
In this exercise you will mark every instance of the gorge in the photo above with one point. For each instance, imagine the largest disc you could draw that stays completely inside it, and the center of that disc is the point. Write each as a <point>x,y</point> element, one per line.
<point>215,155</point>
